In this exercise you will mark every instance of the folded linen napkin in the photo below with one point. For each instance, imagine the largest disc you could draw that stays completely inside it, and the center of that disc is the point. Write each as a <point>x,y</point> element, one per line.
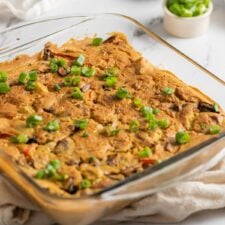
<point>205,191</point>
<point>26,9</point>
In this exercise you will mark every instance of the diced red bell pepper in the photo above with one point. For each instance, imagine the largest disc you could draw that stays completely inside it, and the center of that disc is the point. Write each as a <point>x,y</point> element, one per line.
<point>148,161</point>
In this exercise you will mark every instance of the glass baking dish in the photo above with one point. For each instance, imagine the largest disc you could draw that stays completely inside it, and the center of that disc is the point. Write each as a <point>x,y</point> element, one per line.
<point>31,37</point>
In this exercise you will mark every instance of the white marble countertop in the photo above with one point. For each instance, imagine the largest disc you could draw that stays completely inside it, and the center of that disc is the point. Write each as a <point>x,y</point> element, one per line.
<point>208,50</point>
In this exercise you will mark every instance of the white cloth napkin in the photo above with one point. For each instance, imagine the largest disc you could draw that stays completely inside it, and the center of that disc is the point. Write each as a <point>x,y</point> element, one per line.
<point>26,9</point>
<point>205,191</point>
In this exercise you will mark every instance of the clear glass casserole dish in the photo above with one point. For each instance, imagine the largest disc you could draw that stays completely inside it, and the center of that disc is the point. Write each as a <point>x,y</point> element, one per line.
<point>31,37</point>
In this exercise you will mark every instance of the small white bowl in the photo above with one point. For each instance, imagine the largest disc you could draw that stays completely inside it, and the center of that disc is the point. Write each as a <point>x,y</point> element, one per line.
<point>186,27</point>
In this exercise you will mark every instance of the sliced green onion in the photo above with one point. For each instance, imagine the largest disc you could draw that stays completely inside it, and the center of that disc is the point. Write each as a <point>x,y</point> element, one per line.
<point>216,107</point>
<point>79,61</point>
<point>168,90</point>
<point>77,93</point>
<point>156,111</point>
<point>61,62</point>
<point>214,129</point>
<point>85,183</point>
<point>164,123</point>
<point>54,67</point>
<point>152,124</point>
<point>33,120</point>
<point>97,41</point>
<point>23,78</point>
<point>55,164</point>
<point>19,139</point>
<point>52,126</point>
<point>31,85</point>
<point>145,153</point>
<point>67,81</point>
<point>111,72</point>
<point>87,71</point>
<point>75,70</point>
<point>75,81</point>
<point>40,174</point>
<point>3,76</point>
<point>57,87</point>
<point>146,111</point>
<point>188,8</point>
<point>123,93</point>
<point>137,102</point>
<point>81,124</point>
<point>51,172</point>
<point>110,81</point>
<point>134,126</point>
<point>33,75</point>
<point>4,88</point>
<point>112,131</point>
<point>85,134</point>
<point>182,137</point>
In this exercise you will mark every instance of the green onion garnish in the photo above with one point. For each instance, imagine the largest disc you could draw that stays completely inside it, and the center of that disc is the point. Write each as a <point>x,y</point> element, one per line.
<point>4,88</point>
<point>152,124</point>
<point>112,131</point>
<point>214,129</point>
<point>123,93</point>
<point>75,70</point>
<point>146,111</point>
<point>134,126</point>
<point>51,171</point>
<point>85,134</point>
<point>23,78</point>
<point>54,67</point>
<point>168,90</point>
<point>52,126</point>
<point>182,137</point>
<point>216,107</point>
<point>57,87</point>
<point>19,139</point>
<point>31,85</point>
<point>110,81</point>
<point>85,183</point>
<point>77,93</point>
<point>81,124</point>
<point>33,75</point>
<point>145,153</point>
<point>137,102</point>
<point>87,71</point>
<point>188,8</point>
<point>33,120</point>
<point>164,123</point>
<point>75,81</point>
<point>3,76</point>
<point>97,41</point>
<point>56,63</point>
<point>111,72</point>
<point>156,111</point>
<point>79,61</point>
<point>67,81</point>
<point>61,62</point>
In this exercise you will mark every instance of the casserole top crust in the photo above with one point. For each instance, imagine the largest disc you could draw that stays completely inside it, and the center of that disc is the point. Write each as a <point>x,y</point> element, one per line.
<point>87,114</point>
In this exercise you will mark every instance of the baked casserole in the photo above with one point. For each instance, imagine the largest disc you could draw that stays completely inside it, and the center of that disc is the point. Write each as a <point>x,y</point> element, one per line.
<point>82,116</point>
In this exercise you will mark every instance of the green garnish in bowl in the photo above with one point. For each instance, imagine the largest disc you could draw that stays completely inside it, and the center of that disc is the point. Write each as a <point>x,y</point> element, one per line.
<point>188,8</point>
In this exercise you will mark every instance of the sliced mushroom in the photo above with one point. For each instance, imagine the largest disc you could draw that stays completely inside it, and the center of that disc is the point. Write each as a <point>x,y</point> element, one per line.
<point>62,71</point>
<point>61,146</point>
<point>85,88</point>
<point>206,107</point>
